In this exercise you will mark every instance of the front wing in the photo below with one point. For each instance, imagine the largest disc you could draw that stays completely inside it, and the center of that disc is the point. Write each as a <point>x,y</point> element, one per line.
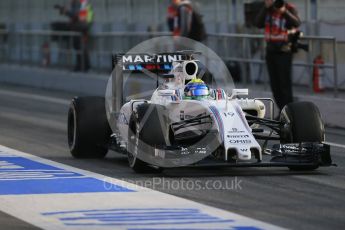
<point>282,155</point>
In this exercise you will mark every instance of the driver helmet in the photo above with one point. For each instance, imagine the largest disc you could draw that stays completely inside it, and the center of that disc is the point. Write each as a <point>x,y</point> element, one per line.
<point>196,89</point>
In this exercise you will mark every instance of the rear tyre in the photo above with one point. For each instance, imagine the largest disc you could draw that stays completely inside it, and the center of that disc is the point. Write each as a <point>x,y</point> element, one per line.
<point>144,134</point>
<point>88,128</point>
<point>303,123</point>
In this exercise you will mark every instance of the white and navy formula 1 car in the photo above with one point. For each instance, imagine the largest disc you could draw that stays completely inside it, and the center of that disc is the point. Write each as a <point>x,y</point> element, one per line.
<point>185,122</point>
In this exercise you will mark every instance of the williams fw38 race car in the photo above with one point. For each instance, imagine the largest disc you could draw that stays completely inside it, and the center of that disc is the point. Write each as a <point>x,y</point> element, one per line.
<point>162,111</point>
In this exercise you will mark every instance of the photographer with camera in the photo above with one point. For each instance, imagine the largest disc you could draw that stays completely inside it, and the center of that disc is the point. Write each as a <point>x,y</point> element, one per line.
<point>281,22</point>
<point>185,20</point>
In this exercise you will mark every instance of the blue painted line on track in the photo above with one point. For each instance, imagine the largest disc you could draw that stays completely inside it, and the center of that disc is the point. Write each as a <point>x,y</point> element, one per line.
<point>122,217</point>
<point>21,176</point>
<point>153,218</point>
<point>25,164</point>
<point>131,210</point>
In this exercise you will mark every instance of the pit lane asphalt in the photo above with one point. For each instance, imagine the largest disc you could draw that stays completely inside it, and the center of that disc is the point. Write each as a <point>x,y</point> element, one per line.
<point>34,121</point>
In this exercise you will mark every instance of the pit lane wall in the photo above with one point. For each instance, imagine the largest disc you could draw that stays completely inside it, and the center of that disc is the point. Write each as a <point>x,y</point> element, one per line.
<point>332,109</point>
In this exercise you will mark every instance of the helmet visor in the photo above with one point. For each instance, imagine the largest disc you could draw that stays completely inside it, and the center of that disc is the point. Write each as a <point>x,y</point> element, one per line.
<point>200,92</point>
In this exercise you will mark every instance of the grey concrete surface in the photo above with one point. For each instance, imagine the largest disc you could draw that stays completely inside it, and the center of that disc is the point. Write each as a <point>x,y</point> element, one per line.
<point>34,121</point>
<point>10,222</point>
<point>76,82</point>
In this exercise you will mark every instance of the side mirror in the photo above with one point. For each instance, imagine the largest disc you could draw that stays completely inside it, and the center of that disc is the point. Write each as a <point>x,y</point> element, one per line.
<point>166,92</point>
<point>239,92</point>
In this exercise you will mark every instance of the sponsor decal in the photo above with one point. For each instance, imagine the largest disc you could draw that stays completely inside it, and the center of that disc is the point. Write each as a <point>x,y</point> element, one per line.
<point>229,114</point>
<point>235,130</point>
<point>144,58</point>
<point>200,150</point>
<point>195,150</point>
<point>292,149</point>
<point>185,151</point>
<point>240,141</point>
<point>237,136</point>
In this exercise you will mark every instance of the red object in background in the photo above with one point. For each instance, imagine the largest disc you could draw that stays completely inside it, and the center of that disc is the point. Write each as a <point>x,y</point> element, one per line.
<point>318,74</point>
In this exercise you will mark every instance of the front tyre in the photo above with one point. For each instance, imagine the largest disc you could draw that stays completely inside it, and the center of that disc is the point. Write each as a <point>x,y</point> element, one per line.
<point>303,123</point>
<point>88,128</point>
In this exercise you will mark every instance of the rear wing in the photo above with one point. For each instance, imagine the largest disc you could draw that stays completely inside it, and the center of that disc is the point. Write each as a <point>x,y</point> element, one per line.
<point>123,65</point>
<point>161,62</point>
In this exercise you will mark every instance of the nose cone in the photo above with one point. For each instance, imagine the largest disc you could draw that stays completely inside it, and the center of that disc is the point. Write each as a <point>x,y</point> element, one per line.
<point>244,154</point>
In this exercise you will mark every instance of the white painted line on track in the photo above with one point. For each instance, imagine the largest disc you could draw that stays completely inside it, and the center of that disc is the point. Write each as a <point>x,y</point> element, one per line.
<point>335,144</point>
<point>34,97</point>
<point>81,203</point>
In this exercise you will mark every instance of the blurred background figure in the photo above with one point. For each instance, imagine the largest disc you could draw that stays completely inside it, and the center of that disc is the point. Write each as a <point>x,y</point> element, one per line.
<point>81,14</point>
<point>280,20</point>
<point>34,36</point>
<point>184,20</point>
